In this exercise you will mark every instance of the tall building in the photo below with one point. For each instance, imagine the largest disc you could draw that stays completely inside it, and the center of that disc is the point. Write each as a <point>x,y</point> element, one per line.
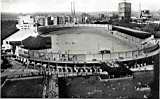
<point>46,21</point>
<point>68,19</point>
<point>25,22</point>
<point>85,18</point>
<point>62,20</point>
<point>55,21</point>
<point>41,20</point>
<point>124,11</point>
<point>49,20</point>
<point>145,14</point>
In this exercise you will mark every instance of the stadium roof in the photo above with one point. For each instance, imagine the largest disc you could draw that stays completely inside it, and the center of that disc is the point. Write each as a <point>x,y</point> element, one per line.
<point>34,43</point>
<point>132,32</point>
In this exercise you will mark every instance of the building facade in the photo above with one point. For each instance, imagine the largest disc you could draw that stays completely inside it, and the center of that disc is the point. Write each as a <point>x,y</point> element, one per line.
<point>124,11</point>
<point>25,22</point>
<point>41,20</point>
<point>145,14</point>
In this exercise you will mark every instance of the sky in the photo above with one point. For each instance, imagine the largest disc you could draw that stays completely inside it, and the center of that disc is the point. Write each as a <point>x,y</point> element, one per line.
<point>30,6</point>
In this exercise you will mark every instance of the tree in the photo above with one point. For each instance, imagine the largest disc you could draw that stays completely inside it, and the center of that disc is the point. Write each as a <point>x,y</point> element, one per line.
<point>152,28</point>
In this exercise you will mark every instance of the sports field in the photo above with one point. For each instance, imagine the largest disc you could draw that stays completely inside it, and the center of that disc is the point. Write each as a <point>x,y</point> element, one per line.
<point>89,39</point>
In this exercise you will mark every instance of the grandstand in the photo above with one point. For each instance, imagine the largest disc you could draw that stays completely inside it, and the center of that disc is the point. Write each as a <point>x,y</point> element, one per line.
<point>52,64</point>
<point>132,32</point>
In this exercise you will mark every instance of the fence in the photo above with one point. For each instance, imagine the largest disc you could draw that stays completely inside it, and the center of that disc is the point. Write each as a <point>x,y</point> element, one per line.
<point>52,56</point>
<point>131,39</point>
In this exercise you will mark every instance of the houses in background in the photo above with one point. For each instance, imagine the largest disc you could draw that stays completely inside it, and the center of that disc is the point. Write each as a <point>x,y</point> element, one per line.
<point>54,20</point>
<point>25,22</point>
<point>124,13</point>
<point>28,21</point>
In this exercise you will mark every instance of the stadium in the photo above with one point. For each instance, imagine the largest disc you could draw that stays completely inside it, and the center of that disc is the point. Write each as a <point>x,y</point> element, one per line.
<point>80,49</point>
<point>90,43</point>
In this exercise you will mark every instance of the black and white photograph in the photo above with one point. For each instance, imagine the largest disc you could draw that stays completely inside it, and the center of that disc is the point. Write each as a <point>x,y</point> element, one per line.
<point>80,49</point>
